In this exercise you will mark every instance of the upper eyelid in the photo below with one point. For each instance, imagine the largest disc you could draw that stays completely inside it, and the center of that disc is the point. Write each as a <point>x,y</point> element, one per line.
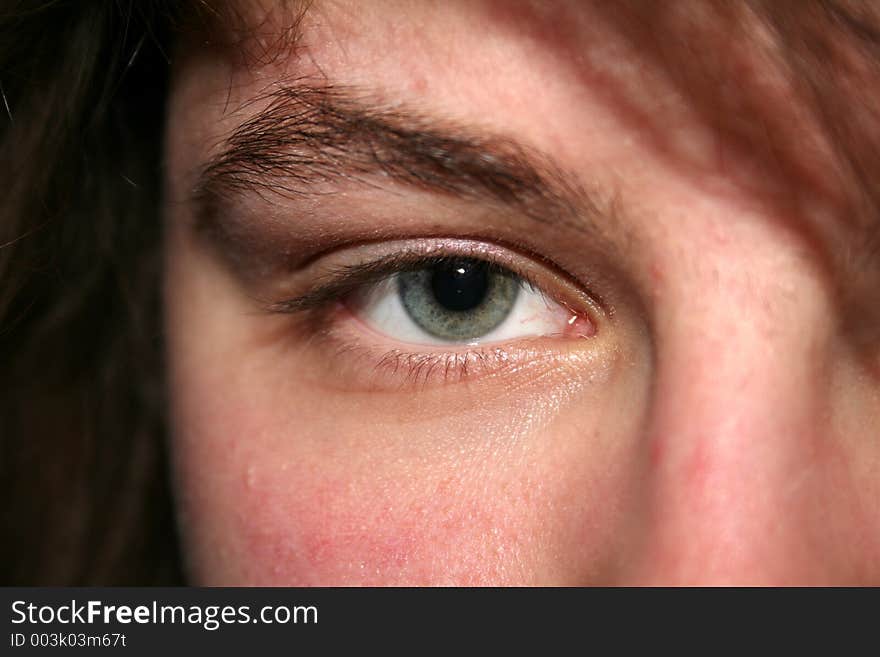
<point>534,271</point>
<point>347,279</point>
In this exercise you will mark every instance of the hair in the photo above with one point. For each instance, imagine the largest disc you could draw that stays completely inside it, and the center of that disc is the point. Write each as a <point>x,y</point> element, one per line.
<point>83,456</point>
<point>84,473</point>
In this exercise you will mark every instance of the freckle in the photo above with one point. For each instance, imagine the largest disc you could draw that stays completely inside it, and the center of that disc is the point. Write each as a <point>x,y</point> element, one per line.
<point>420,85</point>
<point>657,275</point>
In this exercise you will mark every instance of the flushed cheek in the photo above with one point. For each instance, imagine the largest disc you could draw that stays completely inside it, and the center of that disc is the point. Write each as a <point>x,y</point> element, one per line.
<point>328,532</point>
<point>322,502</point>
<point>307,522</point>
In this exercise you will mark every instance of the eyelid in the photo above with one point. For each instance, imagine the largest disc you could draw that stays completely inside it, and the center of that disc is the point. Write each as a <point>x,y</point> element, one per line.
<point>345,270</point>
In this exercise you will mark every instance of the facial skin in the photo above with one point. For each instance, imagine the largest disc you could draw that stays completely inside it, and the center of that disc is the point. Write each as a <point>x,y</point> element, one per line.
<point>705,412</point>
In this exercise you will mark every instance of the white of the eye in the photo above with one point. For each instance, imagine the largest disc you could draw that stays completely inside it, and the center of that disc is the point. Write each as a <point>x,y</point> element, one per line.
<point>533,314</point>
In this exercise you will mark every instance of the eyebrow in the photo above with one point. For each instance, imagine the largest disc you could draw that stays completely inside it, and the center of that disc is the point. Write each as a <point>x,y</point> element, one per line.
<point>310,135</point>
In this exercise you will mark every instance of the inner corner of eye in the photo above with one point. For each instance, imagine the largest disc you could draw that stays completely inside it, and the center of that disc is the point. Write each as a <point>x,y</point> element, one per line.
<point>465,301</point>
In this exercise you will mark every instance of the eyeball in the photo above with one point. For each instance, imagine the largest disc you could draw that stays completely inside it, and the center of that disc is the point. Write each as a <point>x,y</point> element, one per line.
<point>464,301</point>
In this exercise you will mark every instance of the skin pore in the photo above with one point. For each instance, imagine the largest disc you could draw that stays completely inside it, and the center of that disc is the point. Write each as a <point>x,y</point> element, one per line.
<point>699,402</point>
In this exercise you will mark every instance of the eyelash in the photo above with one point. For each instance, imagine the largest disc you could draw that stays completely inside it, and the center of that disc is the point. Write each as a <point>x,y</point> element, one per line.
<point>323,307</point>
<point>348,279</point>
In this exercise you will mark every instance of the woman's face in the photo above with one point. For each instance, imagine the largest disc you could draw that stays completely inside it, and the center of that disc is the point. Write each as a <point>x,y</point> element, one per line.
<point>479,293</point>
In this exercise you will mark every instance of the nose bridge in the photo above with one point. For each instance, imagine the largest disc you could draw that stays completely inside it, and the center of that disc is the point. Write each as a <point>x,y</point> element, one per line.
<point>735,427</point>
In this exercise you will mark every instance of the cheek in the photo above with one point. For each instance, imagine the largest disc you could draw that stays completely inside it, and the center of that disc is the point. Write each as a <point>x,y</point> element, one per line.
<point>328,530</point>
<point>270,505</point>
<point>280,484</point>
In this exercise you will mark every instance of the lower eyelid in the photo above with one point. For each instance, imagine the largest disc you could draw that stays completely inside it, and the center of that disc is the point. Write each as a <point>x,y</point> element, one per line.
<point>353,356</point>
<point>370,367</point>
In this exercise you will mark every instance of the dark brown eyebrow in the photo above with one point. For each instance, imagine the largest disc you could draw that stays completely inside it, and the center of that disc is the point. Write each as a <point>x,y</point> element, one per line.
<point>310,135</point>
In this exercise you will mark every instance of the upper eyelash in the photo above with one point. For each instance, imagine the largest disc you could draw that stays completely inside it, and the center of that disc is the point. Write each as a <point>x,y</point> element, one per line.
<point>346,280</point>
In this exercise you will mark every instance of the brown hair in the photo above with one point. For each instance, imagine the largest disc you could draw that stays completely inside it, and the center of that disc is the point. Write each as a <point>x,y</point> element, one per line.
<point>82,453</point>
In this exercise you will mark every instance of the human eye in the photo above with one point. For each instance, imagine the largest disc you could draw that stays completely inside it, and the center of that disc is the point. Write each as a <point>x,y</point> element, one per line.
<point>440,310</point>
<point>450,300</point>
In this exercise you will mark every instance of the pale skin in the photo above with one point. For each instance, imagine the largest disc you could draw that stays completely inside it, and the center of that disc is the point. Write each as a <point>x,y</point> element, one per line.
<point>706,410</point>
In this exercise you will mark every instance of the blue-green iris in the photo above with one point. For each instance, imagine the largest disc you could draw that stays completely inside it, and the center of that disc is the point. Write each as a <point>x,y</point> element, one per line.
<point>458,299</point>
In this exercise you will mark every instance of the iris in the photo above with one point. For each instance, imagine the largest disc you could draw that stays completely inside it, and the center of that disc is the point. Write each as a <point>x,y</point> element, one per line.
<point>458,299</point>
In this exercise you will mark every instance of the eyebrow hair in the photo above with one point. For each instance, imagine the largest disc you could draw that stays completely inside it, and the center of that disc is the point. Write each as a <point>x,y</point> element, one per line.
<point>309,135</point>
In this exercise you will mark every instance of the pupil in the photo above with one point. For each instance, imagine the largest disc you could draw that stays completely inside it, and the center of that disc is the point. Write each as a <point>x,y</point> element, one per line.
<point>460,285</point>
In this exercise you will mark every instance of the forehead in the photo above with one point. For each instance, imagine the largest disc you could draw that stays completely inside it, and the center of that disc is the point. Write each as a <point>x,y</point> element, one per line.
<point>768,101</point>
<point>768,77</point>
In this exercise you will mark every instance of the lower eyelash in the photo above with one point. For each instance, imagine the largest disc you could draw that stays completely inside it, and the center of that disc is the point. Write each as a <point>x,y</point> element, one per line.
<point>375,369</point>
<point>451,367</point>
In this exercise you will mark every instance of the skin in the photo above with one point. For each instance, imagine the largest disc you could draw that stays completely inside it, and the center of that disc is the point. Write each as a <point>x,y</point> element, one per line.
<point>720,427</point>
